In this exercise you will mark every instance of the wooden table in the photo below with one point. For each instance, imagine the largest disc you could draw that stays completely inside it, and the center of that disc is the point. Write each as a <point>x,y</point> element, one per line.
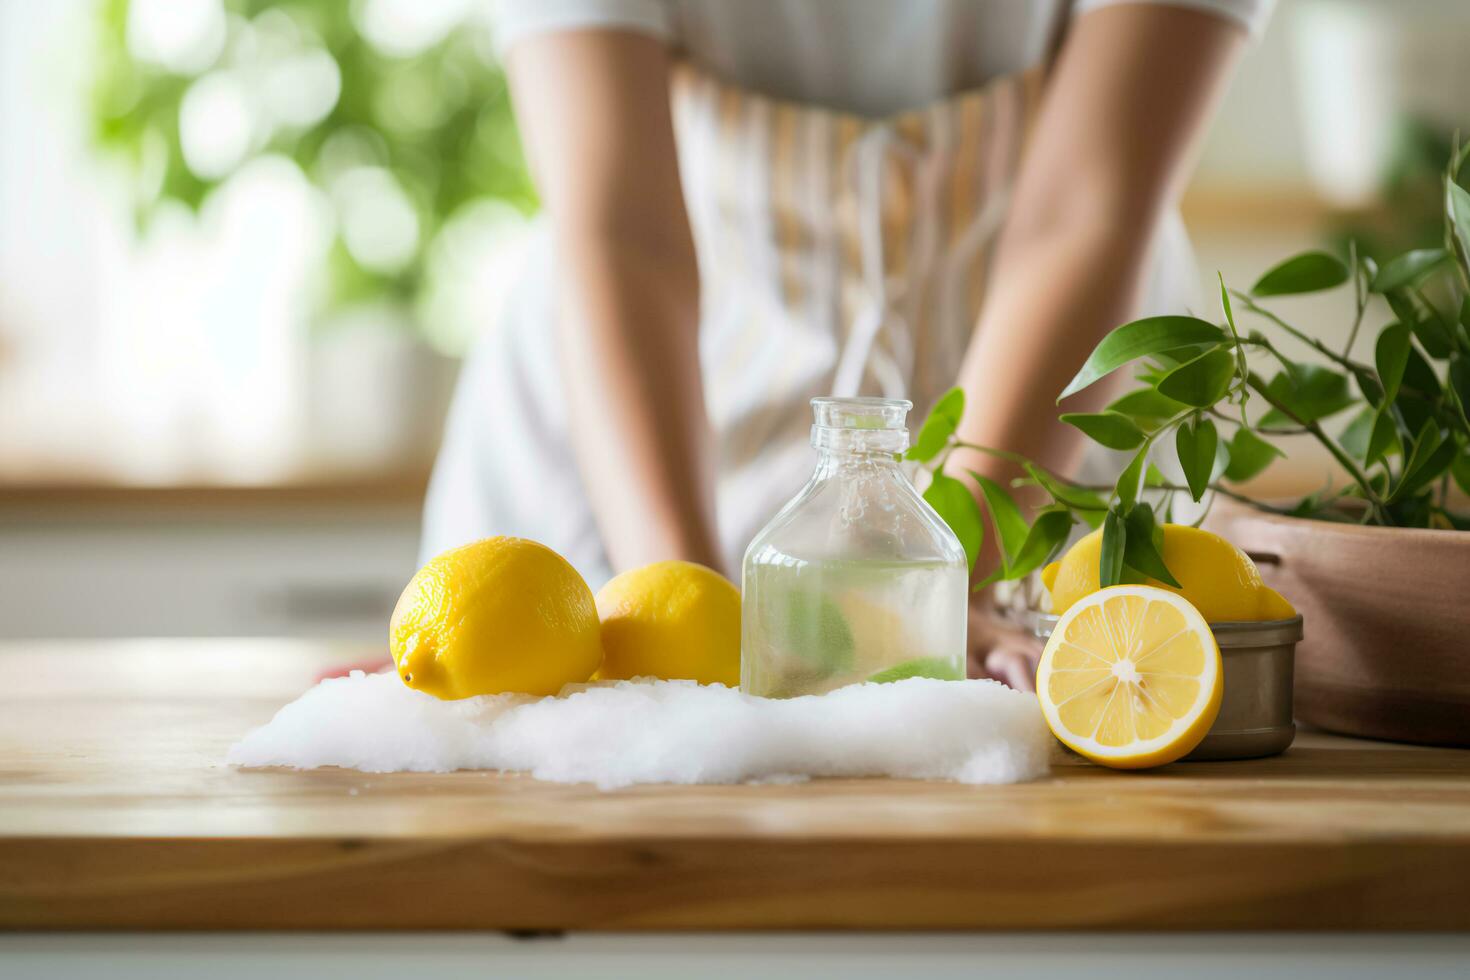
<point>116,811</point>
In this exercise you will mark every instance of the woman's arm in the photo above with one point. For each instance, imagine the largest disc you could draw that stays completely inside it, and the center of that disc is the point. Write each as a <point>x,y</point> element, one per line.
<point>1126,106</point>
<point>593,108</point>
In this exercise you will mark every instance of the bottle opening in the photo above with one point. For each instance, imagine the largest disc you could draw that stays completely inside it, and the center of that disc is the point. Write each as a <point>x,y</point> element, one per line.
<point>860,425</point>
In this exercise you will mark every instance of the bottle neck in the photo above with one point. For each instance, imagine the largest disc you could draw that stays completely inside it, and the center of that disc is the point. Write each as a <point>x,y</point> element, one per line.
<point>847,441</point>
<point>832,462</point>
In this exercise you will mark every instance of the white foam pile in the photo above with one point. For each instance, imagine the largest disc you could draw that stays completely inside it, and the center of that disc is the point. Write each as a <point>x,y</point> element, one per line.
<point>618,734</point>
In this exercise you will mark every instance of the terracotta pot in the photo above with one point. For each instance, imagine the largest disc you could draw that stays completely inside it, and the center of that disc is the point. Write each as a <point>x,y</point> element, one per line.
<point>1387,646</point>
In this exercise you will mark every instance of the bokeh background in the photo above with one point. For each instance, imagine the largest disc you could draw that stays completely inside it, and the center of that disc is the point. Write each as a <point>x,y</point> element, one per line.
<point>244,243</point>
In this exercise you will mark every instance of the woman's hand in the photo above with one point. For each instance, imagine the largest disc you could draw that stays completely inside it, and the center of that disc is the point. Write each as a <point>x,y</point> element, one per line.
<point>999,649</point>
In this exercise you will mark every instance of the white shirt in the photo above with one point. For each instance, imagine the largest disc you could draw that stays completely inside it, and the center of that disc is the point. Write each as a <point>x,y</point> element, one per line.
<point>873,57</point>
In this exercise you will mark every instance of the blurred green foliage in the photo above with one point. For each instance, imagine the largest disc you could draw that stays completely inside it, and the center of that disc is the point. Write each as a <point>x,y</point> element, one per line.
<point>1410,210</point>
<point>439,121</point>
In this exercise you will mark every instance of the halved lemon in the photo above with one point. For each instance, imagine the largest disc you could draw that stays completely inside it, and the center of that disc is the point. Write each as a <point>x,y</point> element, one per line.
<point>1131,677</point>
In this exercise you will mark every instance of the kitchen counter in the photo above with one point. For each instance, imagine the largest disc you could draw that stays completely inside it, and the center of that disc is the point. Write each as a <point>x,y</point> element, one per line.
<point>116,811</point>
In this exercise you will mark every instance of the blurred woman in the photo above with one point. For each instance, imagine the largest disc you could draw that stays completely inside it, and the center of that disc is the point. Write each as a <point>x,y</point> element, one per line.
<point>749,204</point>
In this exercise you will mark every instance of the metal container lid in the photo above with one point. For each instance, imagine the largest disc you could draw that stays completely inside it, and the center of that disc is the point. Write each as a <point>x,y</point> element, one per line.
<point>1266,633</point>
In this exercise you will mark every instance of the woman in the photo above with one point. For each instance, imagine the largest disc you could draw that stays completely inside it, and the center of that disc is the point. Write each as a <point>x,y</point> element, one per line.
<point>749,204</point>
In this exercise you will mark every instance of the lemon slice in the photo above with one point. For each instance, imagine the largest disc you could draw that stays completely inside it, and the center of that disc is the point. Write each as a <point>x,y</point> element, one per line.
<point>1131,677</point>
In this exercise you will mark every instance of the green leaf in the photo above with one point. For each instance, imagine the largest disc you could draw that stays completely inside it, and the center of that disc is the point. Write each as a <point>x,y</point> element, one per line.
<point>1384,438</point>
<point>943,419</point>
<point>1355,437</point>
<point>1141,338</point>
<point>1307,506</point>
<point>1249,455</point>
<point>1005,517</point>
<point>1390,356</point>
<point>1426,461</point>
<point>1046,537</point>
<point>1235,336</point>
<point>1196,441</point>
<point>1201,382</point>
<point>1408,269</point>
<point>1127,487</point>
<point>1065,494</point>
<point>954,502</point>
<point>1304,273</point>
<point>936,667</point>
<point>1114,541</point>
<point>1167,359</point>
<point>1457,209</point>
<point>1432,469</point>
<point>1420,376</point>
<point>1460,470</point>
<point>1141,546</point>
<point>1312,392</point>
<point>1153,476</point>
<point>1146,406</point>
<point>1418,392</point>
<point>1433,333</point>
<point>1222,459</point>
<point>1404,306</point>
<point>1225,306</point>
<point>1459,383</point>
<point>1107,428</point>
<point>1368,385</point>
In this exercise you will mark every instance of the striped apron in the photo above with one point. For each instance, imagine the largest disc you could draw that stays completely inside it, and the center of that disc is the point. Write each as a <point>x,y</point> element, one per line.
<point>837,255</point>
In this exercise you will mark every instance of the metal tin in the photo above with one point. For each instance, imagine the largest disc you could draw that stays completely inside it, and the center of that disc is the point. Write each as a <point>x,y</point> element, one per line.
<point>1255,710</point>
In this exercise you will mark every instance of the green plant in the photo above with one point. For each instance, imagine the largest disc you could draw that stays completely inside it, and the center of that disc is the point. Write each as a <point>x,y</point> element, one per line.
<point>1408,440</point>
<point>1409,212</point>
<point>438,121</point>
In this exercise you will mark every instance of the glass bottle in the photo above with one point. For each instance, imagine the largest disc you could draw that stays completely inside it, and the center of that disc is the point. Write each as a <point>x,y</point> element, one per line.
<point>857,578</point>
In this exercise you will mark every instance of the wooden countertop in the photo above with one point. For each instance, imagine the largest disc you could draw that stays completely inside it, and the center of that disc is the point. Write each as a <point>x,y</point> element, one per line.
<point>116,811</point>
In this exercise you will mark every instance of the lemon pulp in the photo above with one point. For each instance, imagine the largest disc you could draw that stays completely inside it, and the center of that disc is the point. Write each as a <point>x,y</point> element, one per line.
<point>1131,677</point>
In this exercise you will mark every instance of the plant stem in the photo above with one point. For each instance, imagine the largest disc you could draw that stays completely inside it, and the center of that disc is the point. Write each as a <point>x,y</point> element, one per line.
<point>1360,298</point>
<point>1274,430</point>
<point>998,453</point>
<point>1311,342</point>
<point>1270,348</point>
<point>1242,369</point>
<point>1332,447</point>
<point>1176,488</point>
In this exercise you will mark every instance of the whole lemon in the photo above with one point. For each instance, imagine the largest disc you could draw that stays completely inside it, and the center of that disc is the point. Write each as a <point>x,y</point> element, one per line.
<point>674,620</point>
<point>498,615</point>
<point>1218,578</point>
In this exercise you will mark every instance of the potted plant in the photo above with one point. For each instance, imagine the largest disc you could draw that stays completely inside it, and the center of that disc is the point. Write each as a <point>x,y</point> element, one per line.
<point>1379,565</point>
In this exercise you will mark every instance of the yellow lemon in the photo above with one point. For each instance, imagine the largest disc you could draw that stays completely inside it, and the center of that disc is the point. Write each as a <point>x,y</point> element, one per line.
<point>673,619</point>
<point>1217,577</point>
<point>1131,677</point>
<point>499,615</point>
